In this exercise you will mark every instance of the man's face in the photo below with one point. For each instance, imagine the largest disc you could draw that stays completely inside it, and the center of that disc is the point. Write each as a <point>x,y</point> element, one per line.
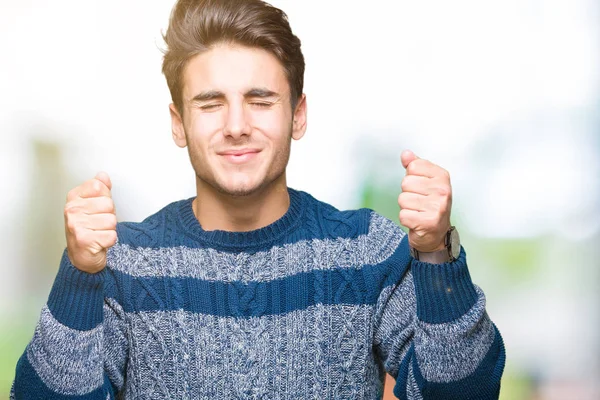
<point>237,119</point>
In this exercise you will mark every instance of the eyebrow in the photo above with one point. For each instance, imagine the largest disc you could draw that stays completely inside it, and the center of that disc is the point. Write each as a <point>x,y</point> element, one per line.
<point>216,94</point>
<point>260,92</point>
<point>208,95</point>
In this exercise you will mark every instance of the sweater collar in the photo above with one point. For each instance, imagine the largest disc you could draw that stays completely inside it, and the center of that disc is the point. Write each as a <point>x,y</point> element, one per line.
<point>243,240</point>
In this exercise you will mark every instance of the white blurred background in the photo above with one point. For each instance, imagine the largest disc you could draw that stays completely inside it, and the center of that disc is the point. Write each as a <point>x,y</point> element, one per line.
<point>503,94</point>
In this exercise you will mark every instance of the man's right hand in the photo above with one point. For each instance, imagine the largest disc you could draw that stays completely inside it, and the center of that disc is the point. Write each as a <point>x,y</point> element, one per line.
<point>90,223</point>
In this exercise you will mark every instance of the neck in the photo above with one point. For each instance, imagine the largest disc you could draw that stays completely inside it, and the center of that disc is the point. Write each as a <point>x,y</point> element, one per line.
<point>218,211</point>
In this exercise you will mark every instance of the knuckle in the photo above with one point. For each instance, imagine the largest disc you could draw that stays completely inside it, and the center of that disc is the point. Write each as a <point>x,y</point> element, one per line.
<point>404,217</point>
<point>70,224</point>
<point>103,204</point>
<point>401,218</point>
<point>402,199</point>
<point>405,184</point>
<point>96,185</point>
<point>72,207</point>
<point>78,233</point>
<point>444,190</point>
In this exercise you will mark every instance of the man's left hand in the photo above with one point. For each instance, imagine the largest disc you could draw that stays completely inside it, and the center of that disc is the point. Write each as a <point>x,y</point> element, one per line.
<point>425,203</point>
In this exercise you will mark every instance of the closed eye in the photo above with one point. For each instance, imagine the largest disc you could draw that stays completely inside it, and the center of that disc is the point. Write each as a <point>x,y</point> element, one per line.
<point>261,104</point>
<point>209,107</point>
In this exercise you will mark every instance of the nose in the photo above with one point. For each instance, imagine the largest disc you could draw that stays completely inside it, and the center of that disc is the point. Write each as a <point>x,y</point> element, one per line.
<point>237,121</point>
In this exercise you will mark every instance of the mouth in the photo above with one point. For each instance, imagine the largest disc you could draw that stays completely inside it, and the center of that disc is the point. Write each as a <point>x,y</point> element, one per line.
<point>240,156</point>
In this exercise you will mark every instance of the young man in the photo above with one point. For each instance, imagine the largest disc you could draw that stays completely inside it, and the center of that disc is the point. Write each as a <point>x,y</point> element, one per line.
<point>251,289</point>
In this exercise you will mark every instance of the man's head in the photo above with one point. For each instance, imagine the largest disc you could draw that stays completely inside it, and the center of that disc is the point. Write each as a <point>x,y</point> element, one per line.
<point>196,26</point>
<point>235,72</point>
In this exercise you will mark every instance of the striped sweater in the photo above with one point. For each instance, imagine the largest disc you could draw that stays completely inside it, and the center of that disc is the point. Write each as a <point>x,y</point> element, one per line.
<point>317,305</point>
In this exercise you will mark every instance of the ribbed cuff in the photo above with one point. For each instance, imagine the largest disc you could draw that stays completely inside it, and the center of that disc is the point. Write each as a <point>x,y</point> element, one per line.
<point>444,291</point>
<point>77,297</point>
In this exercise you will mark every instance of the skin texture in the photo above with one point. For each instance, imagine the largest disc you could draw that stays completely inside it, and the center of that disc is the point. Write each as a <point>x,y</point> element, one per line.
<point>236,97</point>
<point>425,202</point>
<point>90,223</point>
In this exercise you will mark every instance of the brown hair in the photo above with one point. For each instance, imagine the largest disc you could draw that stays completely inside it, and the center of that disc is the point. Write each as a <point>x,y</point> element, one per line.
<point>196,25</point>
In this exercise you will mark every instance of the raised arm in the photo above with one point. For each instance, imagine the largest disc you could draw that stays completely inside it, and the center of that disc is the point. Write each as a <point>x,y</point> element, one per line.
<point>79,346</point>
<point>432,331</point>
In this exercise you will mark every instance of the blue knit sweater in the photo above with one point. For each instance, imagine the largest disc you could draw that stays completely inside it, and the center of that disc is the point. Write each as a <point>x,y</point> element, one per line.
<point>317,305</point>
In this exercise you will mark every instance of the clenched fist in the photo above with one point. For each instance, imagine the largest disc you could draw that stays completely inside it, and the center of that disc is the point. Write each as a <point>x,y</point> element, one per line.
<point>425,203</point>
<point>90,223</point>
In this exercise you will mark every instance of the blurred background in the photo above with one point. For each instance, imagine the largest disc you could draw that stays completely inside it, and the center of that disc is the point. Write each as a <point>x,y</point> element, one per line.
<point>503,94</point>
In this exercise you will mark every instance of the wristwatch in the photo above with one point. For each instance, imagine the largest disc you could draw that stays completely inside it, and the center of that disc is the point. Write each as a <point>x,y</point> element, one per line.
<point>449,254</point>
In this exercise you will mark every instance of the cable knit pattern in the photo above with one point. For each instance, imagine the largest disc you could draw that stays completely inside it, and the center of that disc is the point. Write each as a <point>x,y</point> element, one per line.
<point>317,305</point>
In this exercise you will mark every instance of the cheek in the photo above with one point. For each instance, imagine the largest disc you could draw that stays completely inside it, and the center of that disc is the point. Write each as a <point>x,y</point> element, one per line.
<point>274,125</point>
<point>201,128</point>
<point>203,124</point>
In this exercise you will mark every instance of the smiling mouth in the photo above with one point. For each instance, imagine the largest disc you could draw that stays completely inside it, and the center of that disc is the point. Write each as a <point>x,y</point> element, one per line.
<point>241,156</point>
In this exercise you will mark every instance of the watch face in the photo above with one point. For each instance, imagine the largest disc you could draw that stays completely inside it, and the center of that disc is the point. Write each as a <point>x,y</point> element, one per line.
<point>455,243</point>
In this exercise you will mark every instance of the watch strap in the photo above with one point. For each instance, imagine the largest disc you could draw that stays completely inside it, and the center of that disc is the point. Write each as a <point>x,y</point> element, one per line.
<point>433,257</point>
<point>440,256</point>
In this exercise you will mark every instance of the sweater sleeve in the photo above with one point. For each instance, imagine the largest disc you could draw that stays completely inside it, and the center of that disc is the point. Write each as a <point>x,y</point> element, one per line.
<point>79,347</point>
<point>434,336</point>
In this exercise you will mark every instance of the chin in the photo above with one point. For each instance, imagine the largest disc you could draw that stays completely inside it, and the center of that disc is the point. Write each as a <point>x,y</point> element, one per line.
<point>239,184</point>
<point>239,190</point>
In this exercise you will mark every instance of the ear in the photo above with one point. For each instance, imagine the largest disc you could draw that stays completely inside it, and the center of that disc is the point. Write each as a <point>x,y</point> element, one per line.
<point>299,121</point>
<point>177,127</point>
